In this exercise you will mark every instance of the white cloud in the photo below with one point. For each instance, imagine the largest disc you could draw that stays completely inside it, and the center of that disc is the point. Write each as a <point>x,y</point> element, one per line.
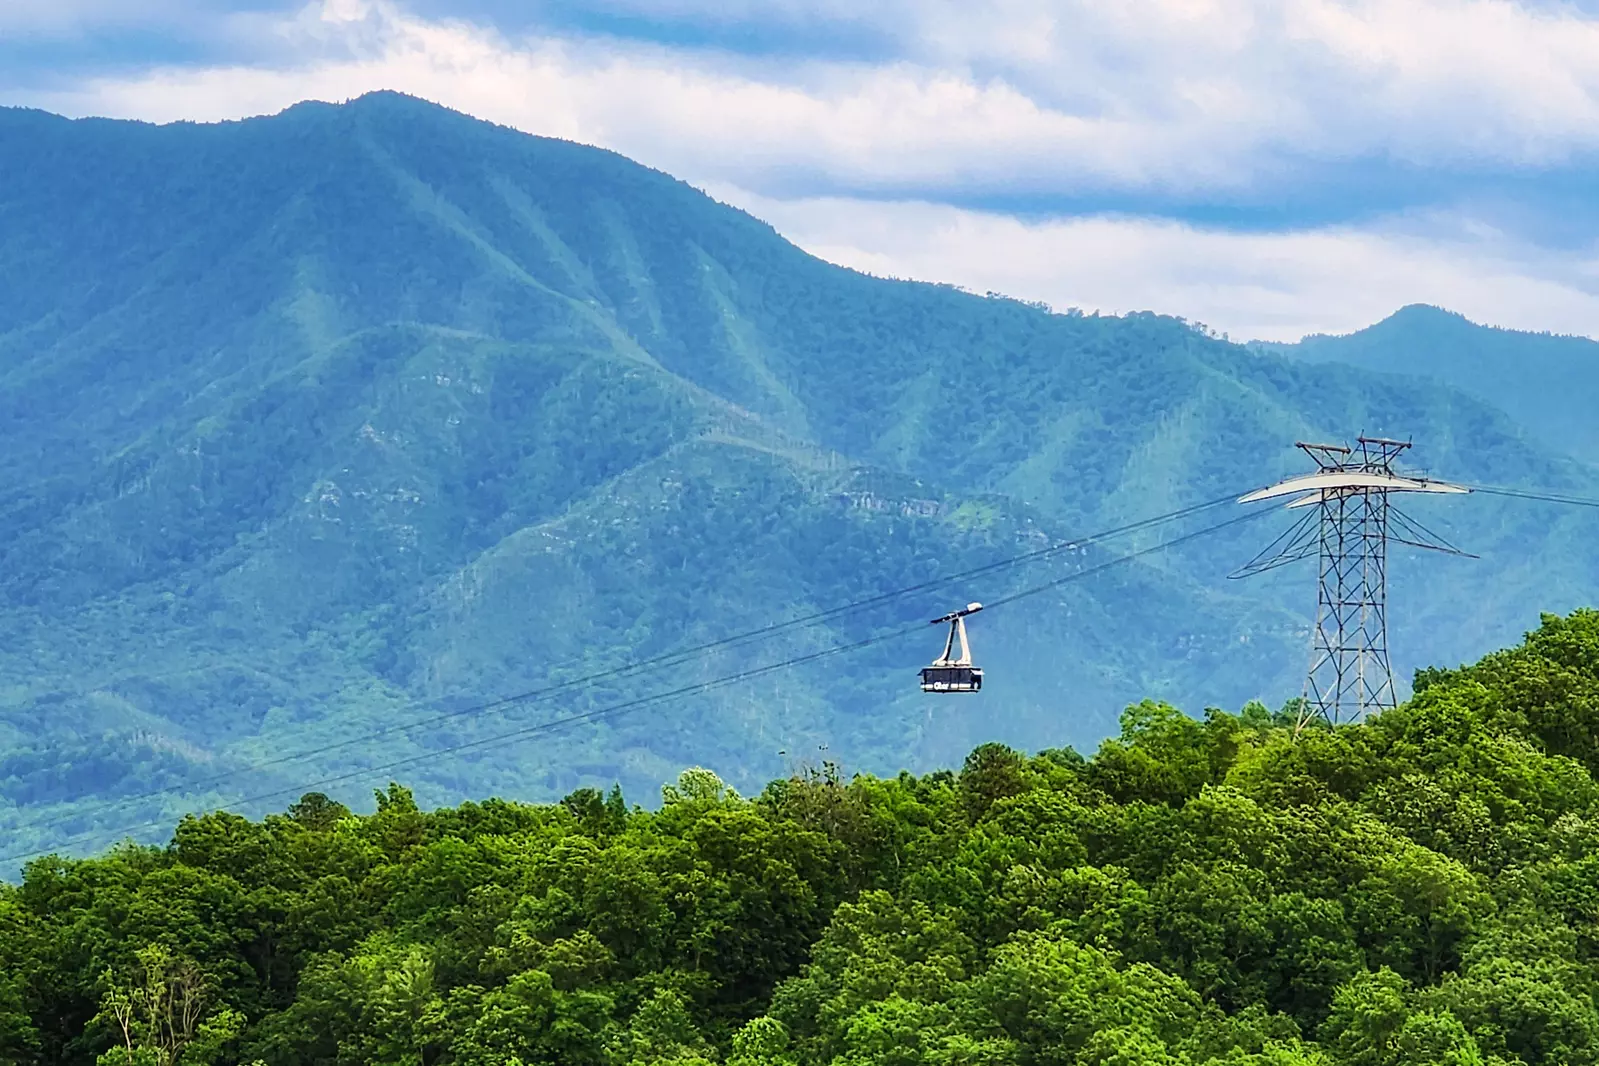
<point>1266,286</point>
<point>1011,95</point>
<point>1020,96</point>
<point>1424,79</point>
<point>704,116</point>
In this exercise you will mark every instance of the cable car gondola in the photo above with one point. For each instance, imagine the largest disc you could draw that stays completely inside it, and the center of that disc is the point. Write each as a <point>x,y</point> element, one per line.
<point>948,672</point>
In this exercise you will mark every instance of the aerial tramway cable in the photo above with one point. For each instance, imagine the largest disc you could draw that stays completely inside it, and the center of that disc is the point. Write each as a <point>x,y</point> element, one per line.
<point>616,710</point>
<point>676,657</point>
<point>1162,546</point>
<point>637,703</point>
<point>666,659</point>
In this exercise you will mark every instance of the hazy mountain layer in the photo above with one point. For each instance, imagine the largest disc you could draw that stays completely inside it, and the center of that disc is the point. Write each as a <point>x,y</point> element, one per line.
<point>1546,382</point>
<point>337,421</point>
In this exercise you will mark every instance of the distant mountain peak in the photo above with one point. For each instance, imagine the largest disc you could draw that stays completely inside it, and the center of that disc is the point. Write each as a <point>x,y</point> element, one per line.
<point>1410,316</point>
<point>1543,380</point>
<point>378,101</point>
<point>1428,313</point>
<point>1428,316</point>
<point>394,99</point>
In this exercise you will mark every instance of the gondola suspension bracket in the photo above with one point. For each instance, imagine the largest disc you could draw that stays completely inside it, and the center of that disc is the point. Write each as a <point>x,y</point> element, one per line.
<point>951,672</point>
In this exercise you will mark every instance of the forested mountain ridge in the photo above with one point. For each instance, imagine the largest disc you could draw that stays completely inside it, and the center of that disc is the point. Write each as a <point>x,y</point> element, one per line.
<point>1418,889</point>
<point>321,424</point>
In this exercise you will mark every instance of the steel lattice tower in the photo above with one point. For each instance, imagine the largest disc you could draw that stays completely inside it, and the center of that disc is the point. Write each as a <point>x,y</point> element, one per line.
<point>1349,669</point>
<point>1347,527</point>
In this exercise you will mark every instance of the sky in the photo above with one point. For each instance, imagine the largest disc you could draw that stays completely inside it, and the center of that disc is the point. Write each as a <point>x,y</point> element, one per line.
<point>1267,169</point>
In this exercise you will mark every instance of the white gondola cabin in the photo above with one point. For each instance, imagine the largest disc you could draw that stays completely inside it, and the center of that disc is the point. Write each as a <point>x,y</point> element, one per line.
<point>952,672</point>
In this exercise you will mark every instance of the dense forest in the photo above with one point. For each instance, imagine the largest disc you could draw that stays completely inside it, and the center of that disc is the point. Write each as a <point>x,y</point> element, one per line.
<point>1420,888</point>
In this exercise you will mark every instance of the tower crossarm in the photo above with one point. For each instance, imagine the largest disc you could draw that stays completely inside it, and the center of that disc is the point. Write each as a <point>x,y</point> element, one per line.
<point>1336,481</point>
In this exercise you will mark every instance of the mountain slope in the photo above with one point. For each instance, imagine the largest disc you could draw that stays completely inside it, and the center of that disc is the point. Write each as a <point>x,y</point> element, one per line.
<point>1544,381</point>
<point>336,421</point>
